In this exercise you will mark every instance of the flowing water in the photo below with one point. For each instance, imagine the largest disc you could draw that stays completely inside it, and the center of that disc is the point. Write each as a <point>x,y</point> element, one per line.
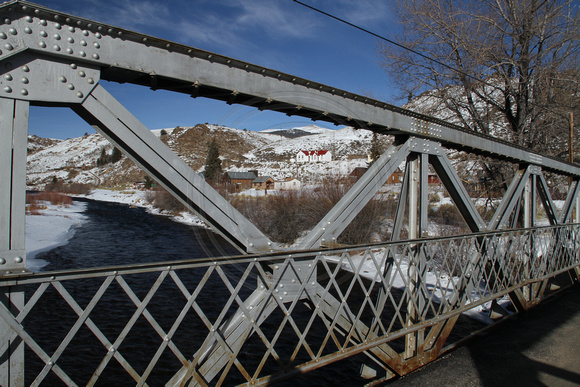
<point>117,234</point>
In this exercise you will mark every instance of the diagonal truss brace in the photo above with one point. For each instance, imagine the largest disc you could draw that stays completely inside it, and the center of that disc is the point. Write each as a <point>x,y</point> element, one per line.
<point>532,180</point>
<point>122,129</point>
<point>334,223</point>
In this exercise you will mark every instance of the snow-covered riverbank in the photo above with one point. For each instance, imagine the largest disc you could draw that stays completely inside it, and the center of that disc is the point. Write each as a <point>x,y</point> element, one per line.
<point>56,224</point>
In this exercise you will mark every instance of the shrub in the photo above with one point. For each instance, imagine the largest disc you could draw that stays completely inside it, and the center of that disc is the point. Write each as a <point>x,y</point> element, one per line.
<point>164,201</point>
<point>285,216</point>
<point>35,201</point>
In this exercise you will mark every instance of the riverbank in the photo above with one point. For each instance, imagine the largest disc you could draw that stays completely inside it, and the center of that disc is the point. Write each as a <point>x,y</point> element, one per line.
<point>56,224</point>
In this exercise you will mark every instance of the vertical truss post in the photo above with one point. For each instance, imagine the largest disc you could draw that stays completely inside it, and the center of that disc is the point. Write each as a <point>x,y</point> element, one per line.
<point>529,221</point>
<point>13,139</point>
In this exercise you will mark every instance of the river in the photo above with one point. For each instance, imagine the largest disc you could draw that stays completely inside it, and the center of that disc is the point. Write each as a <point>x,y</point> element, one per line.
<point>118,234</point>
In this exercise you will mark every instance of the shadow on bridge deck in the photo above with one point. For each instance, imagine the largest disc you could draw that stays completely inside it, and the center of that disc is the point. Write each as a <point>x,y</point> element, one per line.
<point>538,348</point>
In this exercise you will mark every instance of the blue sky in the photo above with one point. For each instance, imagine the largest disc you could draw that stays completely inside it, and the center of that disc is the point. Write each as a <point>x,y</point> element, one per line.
<point>278,34</point>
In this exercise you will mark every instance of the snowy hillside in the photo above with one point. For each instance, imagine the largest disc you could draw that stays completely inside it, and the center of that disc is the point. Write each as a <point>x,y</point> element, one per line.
<point>75,160</point>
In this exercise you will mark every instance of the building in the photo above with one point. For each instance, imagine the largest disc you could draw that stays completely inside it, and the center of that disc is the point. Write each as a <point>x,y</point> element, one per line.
<point>287,184</point>
<point>313,156</point>
<point>263,182</point>
<point>239,181</point>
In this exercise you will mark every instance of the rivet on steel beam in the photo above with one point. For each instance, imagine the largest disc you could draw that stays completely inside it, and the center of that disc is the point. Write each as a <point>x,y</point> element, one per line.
<point>82,53</point>
<point>80,94</point>
<point>98,35</point>
<point>3,35</point>
<point>56,47</point>
<point>69,51</point>
<point>8,77</point>
<point>24,92</point>
<point>85,33</point>
<point>57,26</point>
<point>8,89</point>
<point>8,46</point>
<point>110,30</point>
<point>43,22</point>
<point>26,69</point>
<point>50,363</point>
<point>7,21</point>
<point>97,45</point>
<point>90,81</point>
<point>13,31</point>
<point>28,30</point>
<point>71,86</point>
<point>37,11</point>
<point>2,261</point>
<point>44,34</point>
<point>82,74</point>
<point>96,56</point>
<point>70,40</point>
<point>83,43</point>
<point>24,80</point>
<point>18,259</point>
<point>29,19</point>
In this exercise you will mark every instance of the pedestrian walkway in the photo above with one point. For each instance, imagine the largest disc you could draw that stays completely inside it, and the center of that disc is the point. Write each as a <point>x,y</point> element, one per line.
<point>538,348</point>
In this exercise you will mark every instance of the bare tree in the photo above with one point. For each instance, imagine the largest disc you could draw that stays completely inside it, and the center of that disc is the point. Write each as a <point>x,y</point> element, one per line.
<point>517,62</point>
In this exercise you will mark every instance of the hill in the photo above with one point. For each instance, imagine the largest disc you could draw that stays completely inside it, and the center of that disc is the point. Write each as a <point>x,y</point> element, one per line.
<point>270,152</point>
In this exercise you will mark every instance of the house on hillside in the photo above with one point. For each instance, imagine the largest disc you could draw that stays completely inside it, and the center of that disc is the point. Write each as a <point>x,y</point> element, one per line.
<point>287,184</point>
<point>313,156</point>
<point>263,182</point>
<point>239,181</point>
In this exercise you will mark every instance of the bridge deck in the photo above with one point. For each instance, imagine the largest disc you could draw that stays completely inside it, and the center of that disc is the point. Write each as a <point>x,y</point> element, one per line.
<point>539,347</point>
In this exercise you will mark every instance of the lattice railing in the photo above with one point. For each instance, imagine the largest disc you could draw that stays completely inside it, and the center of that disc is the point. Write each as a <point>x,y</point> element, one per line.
<point>260,318</point>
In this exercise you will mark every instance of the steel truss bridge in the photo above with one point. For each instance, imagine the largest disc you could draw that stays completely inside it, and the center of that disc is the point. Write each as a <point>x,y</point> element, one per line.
<point>282,312</point>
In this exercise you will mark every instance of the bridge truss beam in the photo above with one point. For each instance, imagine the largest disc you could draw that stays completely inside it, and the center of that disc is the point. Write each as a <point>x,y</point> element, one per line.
<point>53,59</point>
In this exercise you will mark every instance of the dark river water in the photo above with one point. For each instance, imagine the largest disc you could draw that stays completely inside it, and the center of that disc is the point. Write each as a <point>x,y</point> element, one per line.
<point>116,234</point>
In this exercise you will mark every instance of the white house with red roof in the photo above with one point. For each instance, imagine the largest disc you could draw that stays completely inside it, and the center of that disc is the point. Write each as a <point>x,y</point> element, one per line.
<point>313,156</point>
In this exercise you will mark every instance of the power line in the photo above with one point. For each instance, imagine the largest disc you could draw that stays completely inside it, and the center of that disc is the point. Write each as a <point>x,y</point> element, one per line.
<point>413,51</point>
<point>393,42</point>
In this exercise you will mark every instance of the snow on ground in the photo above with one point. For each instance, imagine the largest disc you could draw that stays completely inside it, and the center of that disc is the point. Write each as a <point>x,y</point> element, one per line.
<point>53,228</point>
<point>441,284</point>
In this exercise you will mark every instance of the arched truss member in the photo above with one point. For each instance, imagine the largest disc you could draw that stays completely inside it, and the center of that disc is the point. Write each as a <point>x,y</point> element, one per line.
<point>53,59</point>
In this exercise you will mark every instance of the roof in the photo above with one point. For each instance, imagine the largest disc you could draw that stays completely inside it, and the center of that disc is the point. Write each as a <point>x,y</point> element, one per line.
<point>315,152</point>
<point>262,179</point>
<point>241,175</point>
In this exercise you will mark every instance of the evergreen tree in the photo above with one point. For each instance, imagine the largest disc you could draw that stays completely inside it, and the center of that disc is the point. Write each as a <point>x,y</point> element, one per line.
<point>213,164</point>
<point>103,158</point>
<point>116,155</point>
<point>376,149</point>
